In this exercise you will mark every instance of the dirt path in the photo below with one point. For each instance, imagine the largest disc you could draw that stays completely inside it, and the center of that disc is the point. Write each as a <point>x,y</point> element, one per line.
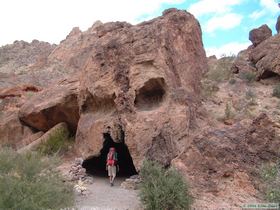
<point>101,196</point>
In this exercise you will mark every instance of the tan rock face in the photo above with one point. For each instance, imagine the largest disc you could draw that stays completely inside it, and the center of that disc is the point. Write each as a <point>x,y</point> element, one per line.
<point>132,79</point>
<point>257,35</point>
<point>11,130</point>
<point>53,105</point>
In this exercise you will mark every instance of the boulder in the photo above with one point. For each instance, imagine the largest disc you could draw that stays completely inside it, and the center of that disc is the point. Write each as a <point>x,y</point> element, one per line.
<point>142,80</point>
<point>53,105</point>
<point>277,26</point>
<point>266,57</point>
<point>257,35</point>
<point>61,127</point>
<point>12,132</point>
<point>29,139</point>
<point>242,62</point>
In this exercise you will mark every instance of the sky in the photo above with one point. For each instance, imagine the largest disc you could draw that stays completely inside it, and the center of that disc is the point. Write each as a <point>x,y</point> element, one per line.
<point>225,23</point>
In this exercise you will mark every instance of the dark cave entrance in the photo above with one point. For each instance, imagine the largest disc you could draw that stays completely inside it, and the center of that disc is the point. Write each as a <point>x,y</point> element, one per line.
<point>97,165</point>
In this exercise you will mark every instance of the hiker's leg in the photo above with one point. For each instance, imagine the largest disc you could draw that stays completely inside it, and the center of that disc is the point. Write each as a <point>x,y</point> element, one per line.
<point>110,173</point>
<point>114,172</point>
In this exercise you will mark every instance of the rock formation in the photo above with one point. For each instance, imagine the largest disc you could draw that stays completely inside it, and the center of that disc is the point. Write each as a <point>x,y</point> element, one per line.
<point>53,105</point>
<point>277,26</point>
<point>262,56</point>
<point>16,57</point>
<point>141,80</point>
<point>266,57</point>
<point>257,35</point>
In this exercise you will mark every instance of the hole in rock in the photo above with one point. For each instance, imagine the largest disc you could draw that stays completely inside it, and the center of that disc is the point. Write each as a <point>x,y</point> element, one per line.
<point>151,94</point>
<point>97,165</point>
<point>268,74</point>
<point>97,104</point>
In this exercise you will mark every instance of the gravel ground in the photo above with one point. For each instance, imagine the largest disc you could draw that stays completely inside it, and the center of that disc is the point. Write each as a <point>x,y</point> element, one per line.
<point>101,196</point>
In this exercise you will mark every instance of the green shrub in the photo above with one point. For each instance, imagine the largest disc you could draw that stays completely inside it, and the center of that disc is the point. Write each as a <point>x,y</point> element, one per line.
<point>248,76</point>
<point>209,88</point>
<point>163,189</point>
<point>271,177</point>
<point>57,143</point>
<point>228,112</point>
<point>276,91</point>
<point>250,96</point>
<point>221,71</point>
<point>232,81</point>
<point>29,182</point>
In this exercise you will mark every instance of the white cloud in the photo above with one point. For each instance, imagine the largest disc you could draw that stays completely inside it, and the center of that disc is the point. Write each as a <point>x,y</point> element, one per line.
<point>232,48</point>
<point>270,5</point>
<point>52,20</point>
<point>257,14</point>
<point>223,22</point>
<point>203,7</point>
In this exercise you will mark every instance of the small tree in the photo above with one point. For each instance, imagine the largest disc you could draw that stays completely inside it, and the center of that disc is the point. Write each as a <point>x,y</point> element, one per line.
<point>276,91</point>
<point>163,189</point>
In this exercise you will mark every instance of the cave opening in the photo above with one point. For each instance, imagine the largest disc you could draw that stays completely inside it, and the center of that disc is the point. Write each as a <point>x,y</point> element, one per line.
<point>97,165</point>
<point>151,94</point>
<point>269,74</point>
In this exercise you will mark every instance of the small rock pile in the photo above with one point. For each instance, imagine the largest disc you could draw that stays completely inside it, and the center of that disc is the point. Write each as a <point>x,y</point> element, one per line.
<point>131,183</point>
<point>77,172</point>
<point>78,175</point>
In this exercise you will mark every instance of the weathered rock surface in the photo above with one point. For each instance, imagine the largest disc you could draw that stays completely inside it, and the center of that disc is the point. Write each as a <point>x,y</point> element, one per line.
<point>11,130</point>
<point>18,91</point>
<point>266,57</point>
<point>16,57</point>
<point>52,106</point>
<point>257,35</point>
<point>242,62</point>
<point>54,131</point>
<point>132,79</point>
<point>226,162</point>
<point>262,57</point>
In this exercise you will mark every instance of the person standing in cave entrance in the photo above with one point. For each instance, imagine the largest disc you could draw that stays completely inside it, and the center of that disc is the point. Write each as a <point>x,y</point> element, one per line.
<point>112,164</point>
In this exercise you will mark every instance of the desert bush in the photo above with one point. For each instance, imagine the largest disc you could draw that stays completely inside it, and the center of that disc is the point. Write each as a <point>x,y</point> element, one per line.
<point>250,96</point>
<point>29,182</point>
<point>222,70</point>
<point>232,81</point>
<point>209,88</point>
<point>57,143</point>
<point>271,176</point>
<point>163,189</point>
<point>228,112</point>
<point>248,76</point>
<point>276,91</point>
